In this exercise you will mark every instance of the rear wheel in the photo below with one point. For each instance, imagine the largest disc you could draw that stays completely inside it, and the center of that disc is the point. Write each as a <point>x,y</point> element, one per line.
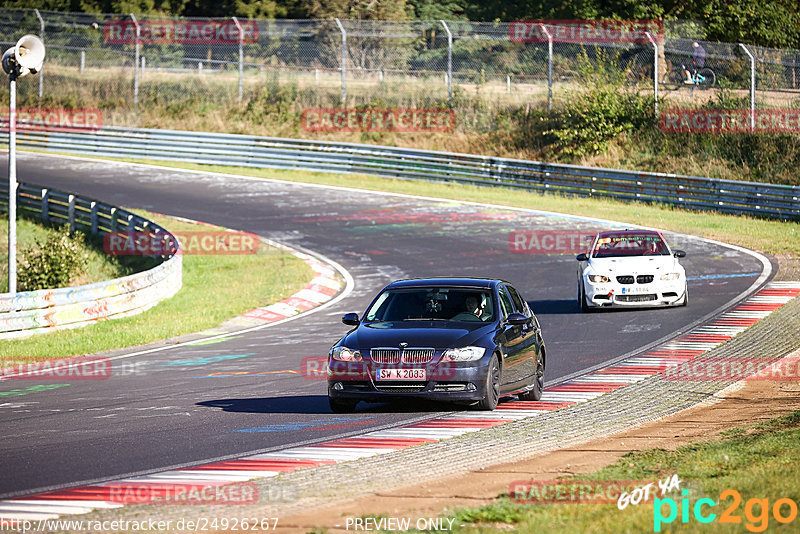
<point>342,405</point>
<point>491,392</point>
<point>707,78</point>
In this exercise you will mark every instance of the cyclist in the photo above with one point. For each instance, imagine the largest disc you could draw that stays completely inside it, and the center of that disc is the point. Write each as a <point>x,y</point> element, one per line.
<point>698,61</point>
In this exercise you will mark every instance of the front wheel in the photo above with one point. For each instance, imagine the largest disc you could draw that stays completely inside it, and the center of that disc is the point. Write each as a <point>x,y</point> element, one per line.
<point>582,297</point>
<point>491,392</point>
<point>535,393</point>
<point>685,297</point>
<point>706,78</point>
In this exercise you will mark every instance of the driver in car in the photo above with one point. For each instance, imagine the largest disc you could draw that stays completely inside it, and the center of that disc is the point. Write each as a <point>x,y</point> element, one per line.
<point>472,309</point>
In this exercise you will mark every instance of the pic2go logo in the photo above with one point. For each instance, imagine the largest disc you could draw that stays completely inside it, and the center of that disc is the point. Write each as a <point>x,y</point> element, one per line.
<point>756,511</point>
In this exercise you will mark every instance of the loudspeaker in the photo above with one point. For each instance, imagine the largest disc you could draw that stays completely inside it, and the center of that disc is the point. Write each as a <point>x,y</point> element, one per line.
<point>26,57</point>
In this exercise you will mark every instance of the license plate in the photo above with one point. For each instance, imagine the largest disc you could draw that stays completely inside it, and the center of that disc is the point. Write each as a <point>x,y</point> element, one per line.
<point>400,374</point>
<point>635,290</point>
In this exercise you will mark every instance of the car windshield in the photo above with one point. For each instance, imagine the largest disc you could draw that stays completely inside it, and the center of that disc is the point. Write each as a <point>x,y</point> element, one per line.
<point>433,304</point>
<point>619,245</point>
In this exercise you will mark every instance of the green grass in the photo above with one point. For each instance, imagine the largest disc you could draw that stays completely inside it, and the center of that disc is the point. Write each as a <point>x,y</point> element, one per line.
<point>99,267</point>
<point>215,288</point>
<point>761,463</point>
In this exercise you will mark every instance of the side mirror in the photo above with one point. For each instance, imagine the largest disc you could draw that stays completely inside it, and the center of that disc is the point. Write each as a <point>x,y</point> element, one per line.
<point>350,319</point>
<point>517,318</point>
<point>582,257</point>
<point>679,254</point>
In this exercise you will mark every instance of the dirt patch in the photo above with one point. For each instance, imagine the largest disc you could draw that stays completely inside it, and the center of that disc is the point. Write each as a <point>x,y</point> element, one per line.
<point>743,404</point>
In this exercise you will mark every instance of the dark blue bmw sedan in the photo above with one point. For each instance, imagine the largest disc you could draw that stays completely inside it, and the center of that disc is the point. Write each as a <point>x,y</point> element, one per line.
<point>463,340</point>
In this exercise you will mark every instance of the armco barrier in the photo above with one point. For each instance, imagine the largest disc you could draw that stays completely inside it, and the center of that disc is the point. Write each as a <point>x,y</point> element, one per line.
<point>692,192</point>
<point>30,312</point>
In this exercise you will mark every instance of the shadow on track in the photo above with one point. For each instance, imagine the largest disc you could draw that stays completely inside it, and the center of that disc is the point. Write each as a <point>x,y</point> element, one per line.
<point>554,307</point>
<point>318,404</point>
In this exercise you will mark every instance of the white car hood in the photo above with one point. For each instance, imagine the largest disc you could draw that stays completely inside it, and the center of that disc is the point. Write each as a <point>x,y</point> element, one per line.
<point>635,265</point>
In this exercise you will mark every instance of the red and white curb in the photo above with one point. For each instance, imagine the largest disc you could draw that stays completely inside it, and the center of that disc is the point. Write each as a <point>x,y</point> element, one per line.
<point>325,285</point>
<point>83,499</point>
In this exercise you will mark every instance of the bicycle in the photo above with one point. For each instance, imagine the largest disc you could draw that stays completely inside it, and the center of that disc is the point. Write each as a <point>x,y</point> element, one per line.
<point>674,79</point>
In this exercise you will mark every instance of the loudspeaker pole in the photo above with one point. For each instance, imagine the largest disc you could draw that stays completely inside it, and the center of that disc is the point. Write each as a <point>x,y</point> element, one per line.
<point>12,183</point>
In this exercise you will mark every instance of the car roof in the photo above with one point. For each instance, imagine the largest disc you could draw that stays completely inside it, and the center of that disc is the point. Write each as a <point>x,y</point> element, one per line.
<point>618,233</point>
<point>485,283</point>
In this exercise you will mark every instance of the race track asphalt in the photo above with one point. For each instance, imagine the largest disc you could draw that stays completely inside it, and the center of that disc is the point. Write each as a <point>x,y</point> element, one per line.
<point>172,412</point>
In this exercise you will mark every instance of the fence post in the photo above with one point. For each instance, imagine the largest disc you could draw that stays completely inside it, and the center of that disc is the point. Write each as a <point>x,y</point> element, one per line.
<point>136,62</point>
<point>94,218</point>
<point>241,55</point>
<point>549,66</point>
<point>752,87</point>
<point>344,60</point>
<point>655,72</point>
<point>41,36</point>
<point>46,206</point>
<point>71,213</point>
<point>144,62</point>
<point>449,60</point>
<point>83,60</point>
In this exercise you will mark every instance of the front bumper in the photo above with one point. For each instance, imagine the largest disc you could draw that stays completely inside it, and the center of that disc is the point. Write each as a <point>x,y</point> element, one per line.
<point>656,293</point>
<point>455,382</point>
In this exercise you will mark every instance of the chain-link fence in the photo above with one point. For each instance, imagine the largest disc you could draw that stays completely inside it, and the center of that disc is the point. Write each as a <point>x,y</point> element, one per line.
<point>122,62</point>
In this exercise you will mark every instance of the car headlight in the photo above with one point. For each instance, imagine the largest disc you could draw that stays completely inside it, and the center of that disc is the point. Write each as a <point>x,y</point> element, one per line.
<point>344,354</point>
<point>599,278</point>
<point>670,276</point>
<point>465,354</point>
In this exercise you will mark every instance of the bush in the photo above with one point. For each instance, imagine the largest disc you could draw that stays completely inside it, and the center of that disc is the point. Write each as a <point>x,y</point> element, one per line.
<point>588,118</point>
<point>595,116</point>
<point>54,262</point>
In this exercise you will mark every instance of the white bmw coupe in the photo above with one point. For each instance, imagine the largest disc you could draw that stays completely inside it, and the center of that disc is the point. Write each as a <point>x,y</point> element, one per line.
<point>631,268</point>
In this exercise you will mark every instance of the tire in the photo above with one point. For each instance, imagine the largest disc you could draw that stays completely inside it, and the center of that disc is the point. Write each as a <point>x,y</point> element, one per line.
<point>673,79</point>
<point>535,394</point>
<point>709,78</point>
<point>491,392</point>
<point>582,298</point>
<point>685,297</point>
<point>342,405</point>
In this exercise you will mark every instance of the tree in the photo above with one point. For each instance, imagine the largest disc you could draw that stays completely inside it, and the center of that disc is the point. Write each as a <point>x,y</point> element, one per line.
<point>356,9</point>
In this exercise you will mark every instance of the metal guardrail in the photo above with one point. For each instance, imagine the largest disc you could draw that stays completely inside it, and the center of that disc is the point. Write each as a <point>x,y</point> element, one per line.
<point>691,192</point>
<point>29,312</point>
